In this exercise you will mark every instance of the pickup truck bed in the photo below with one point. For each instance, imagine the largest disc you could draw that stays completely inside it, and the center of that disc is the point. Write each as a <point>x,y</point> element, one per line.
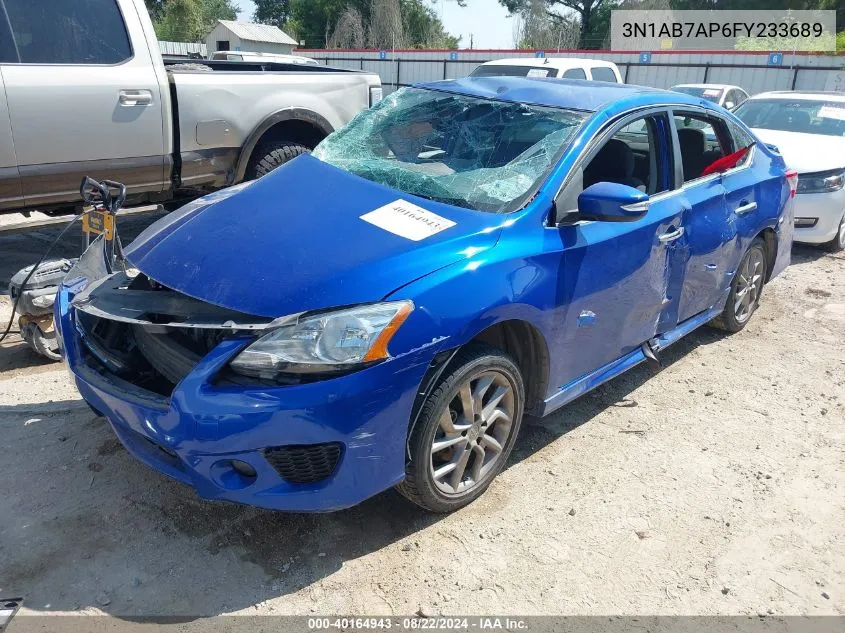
<point>97,99</point>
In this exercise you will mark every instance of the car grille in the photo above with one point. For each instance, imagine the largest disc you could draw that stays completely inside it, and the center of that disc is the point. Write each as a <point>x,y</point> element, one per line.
<point>305,464</point>
<point>152,359</point>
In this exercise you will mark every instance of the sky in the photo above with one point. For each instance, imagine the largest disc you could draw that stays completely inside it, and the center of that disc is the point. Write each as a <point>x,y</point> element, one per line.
<point>486,20</point>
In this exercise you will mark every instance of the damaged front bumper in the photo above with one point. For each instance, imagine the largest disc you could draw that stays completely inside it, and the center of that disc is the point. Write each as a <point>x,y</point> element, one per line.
<point>155,364</point>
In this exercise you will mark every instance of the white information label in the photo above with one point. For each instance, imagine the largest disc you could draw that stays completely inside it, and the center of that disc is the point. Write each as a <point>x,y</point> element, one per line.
<point>407,220</point>
<point>537,72</point>
<point>832,112</point>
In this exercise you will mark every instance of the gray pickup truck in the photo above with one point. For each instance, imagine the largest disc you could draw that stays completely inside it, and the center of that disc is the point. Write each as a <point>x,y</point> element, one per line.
<point>84,91</point>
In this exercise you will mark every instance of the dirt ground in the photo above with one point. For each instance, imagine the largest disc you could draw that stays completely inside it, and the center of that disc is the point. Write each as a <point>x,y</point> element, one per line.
<point>716,486</point>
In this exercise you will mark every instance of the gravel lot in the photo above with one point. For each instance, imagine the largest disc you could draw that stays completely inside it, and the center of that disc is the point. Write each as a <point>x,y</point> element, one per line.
<point>716,486</point>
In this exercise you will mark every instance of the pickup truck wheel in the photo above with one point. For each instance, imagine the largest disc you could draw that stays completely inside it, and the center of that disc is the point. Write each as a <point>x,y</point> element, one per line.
<point>466,430</point>
<point>267,157</point>
<point>745,290</point>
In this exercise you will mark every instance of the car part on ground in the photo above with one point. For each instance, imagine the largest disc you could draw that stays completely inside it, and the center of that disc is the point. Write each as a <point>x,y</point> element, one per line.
<point>35,304</point>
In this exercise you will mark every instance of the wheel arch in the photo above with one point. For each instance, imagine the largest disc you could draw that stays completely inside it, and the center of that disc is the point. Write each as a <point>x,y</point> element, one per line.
<point>770,242</point>
<point>518,338</point>
<point>294,124</point>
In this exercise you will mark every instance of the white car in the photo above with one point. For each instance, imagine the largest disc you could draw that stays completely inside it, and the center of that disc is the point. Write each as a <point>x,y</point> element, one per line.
<point>722,94</point>
<point>551,67</point>
<point>808,128</point>
<point>242,56</point>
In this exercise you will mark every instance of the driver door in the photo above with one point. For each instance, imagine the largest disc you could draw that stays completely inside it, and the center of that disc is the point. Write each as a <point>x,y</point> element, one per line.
<point>619,282</point>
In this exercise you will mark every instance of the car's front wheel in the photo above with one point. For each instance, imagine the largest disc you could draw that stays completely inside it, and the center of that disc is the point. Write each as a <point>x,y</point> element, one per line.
<point>466,430</point>
<point>838,242</point>
<point>746,288</point>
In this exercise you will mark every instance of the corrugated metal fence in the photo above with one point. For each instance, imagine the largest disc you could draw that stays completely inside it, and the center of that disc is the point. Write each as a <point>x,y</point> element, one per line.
<point>751,70</point>
<point>182,48</point>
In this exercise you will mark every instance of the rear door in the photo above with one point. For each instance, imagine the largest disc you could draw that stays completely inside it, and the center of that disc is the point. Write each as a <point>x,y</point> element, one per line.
<point>81,100</point>
<point>710,232</point>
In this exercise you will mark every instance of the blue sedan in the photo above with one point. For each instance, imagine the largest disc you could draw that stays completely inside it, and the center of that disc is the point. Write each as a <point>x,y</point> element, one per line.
<point>386,311</point>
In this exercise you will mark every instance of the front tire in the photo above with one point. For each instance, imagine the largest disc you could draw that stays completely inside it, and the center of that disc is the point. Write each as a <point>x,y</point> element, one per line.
<point>837,244</point>
<point>746,288</point>
<point>272,155</point>
<point>466,430</point>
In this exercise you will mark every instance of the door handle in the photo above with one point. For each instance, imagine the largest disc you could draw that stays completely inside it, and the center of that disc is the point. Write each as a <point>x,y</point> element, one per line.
<point>135,98</point>
<point>671,236</point>
<point>745,208</point>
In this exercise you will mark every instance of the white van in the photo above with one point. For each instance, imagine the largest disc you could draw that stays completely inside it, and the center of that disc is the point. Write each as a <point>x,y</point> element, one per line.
<point>551,67</point>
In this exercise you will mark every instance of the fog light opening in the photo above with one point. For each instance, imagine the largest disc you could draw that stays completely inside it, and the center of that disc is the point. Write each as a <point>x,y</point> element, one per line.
<point>243,469</point>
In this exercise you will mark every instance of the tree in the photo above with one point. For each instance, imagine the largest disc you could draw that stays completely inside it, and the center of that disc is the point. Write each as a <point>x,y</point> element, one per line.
<point>192,20</point>
<point>349,32</point>
<point>417,26</point>
<point>585,10</point>
<point>156,9</point>
<point>275,12</point>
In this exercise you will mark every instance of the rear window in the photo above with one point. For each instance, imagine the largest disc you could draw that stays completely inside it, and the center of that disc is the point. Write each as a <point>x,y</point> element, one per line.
<point>502,70</point>
<point>799,115</point>
<point>66,32</point>
<point>575,73</point>
<point>603,74</point>
<point>710,94</point>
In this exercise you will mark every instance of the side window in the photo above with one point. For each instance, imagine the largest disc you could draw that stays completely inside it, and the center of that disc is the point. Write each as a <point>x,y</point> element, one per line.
<point>700,143</point>
<point>575,73</point>
<point>632,157</point>
<point>603,73</point>
<point>68,32</point>
<point>740,140</point>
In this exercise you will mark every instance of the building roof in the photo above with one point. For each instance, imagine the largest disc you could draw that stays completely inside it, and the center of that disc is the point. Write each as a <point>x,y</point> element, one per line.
<point>560,93</point>
<point>258,32</point>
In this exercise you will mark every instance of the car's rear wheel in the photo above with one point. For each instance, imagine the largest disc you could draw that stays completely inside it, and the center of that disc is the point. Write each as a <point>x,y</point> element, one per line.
<point>837,243</point>
<point>272,155</point>
<point>746,288</point>
<point>466,430</point>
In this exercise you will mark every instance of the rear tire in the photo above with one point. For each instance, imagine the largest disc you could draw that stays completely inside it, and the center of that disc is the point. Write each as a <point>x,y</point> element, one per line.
<point>837,244</point>
<point>746,288</point>
<point>466,430</point>
<point>272,155</point>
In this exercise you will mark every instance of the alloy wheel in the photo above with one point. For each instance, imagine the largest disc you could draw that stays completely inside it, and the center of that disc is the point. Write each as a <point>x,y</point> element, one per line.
<point>473,430</point>
<point>749,284</point>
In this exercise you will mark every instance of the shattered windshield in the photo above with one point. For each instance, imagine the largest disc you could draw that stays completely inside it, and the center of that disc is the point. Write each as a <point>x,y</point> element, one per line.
<point>476,153</point>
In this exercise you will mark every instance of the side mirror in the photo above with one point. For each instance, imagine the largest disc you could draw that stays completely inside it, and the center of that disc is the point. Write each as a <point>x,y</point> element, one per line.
<point>612,202</point>
<point>729,105</point>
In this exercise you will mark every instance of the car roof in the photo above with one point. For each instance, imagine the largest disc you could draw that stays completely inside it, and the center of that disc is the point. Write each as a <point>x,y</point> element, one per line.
<point>561,63</point>
<point>819,95</point>
<point>573,94</point>
<point>715,86</point>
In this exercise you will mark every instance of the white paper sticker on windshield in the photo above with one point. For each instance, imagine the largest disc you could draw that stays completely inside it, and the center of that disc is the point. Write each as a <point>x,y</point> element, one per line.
<point>538,72</point>
<point>407,220</point>
<point>712,92</point>
<point>832,112</point>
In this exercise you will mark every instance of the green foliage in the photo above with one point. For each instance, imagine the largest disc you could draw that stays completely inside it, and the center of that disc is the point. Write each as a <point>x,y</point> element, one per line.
<point>275,12</point>
<point>315,20</point>
<point>840,41</point>
<point>190,20</point>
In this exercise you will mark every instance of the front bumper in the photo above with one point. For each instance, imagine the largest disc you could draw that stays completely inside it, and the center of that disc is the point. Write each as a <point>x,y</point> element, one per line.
<point>826,209</point>
<point>195,434</point>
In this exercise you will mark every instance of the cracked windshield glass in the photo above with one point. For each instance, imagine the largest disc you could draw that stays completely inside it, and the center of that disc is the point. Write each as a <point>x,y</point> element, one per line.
<point>471,152</point>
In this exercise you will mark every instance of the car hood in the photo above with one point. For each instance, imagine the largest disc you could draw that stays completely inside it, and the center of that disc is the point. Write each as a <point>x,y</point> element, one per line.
<point>806,153</point>
<point>294,241</point>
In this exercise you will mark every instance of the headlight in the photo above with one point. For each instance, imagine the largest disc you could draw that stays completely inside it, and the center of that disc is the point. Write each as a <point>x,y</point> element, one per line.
<point>328,342</point>
<point>821,182</point>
